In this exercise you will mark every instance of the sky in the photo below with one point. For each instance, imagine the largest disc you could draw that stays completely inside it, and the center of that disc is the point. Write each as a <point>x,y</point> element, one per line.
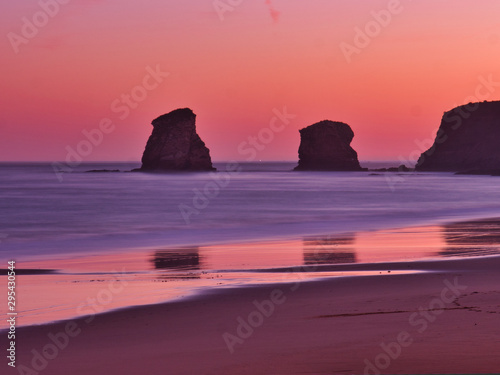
<point>387,68</point>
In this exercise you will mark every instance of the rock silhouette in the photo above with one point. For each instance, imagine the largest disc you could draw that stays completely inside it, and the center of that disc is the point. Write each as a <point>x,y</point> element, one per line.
<point>401,168</point>
<point>467,141</point>
<point>325,146</point>
<point>174,144</point>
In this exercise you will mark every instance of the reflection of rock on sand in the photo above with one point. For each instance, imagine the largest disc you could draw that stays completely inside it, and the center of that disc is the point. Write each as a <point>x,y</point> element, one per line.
<point>326,250</point>
<point>472,238</point>
<point>177,259</point>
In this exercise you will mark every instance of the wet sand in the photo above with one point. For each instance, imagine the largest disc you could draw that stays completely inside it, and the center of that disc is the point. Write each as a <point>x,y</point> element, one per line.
<point>66,287</point>
<point>443,320</point>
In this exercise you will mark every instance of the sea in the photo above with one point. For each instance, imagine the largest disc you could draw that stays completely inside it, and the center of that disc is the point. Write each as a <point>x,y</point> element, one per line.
<point>72,232</point>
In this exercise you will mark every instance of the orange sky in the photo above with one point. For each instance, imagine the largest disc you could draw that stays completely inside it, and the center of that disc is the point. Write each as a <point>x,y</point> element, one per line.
<point>234,68</point>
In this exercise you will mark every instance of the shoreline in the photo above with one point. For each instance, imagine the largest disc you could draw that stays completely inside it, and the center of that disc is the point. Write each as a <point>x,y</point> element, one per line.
<point>283,237</point>
<point>301,274</point>
<point>358,313</point>
<point>121,280</point>
<point>253,234</point>
<point>305,274</point>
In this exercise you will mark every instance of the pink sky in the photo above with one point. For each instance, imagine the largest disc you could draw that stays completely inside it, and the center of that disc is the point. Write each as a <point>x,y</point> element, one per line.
<point>234,71</point>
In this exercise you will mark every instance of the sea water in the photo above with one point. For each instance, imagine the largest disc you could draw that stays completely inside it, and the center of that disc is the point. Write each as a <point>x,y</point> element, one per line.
<point>164,236</point>
<point>44,213</point>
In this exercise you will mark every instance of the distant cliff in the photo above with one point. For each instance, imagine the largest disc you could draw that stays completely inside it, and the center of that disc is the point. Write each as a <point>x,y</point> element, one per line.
<point>174,144</point>
<point>325,146</point>
<point>468,139</point>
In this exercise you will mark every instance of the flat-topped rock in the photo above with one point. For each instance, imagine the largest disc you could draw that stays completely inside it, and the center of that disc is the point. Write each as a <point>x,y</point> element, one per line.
<point>326,146</point>
<point>174,144</point>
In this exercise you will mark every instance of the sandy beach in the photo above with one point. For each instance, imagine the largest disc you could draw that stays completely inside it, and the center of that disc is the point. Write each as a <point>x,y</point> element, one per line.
<point>441,320</point>
<point>229,187</point>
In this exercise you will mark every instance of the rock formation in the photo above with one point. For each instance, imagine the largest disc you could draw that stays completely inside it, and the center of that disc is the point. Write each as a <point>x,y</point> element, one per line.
<point>174,144</point>
<point>401,168</point>
<point>325,146</point>
<point>468,140</point>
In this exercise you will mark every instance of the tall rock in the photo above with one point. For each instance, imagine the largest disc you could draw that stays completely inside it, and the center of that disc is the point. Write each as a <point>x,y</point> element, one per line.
<point>325,146</point>
<point>174,144</point>
<point>468,139</point>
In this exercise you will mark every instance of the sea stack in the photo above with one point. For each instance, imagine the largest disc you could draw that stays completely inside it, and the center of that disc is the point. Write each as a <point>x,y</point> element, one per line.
<point>174,144</point>
<point>326,146</point>
<point>468,140</point>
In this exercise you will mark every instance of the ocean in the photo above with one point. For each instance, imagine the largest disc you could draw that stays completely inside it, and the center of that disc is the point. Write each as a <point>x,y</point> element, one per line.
<point>101,212</point>
<point>169,236</point>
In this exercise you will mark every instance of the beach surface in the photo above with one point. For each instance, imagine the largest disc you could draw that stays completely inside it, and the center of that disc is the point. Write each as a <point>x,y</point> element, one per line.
<point>443,318</point>
<point>336,273</point>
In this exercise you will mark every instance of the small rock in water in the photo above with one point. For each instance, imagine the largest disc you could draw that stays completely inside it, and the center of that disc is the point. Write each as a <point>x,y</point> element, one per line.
<point>103,171</point>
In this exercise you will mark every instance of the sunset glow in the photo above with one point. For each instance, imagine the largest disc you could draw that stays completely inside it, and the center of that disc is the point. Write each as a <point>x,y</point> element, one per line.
<point>234,68</point>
